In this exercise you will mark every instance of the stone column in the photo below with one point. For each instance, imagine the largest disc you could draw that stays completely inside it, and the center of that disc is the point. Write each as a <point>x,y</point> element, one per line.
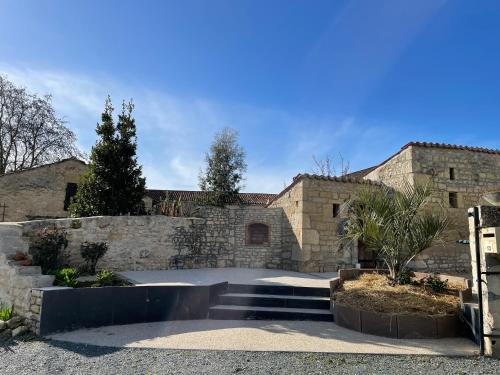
<point>488,217</point>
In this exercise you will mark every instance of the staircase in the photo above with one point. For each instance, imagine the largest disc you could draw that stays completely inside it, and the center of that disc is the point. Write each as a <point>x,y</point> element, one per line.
<point>269,302</point>
<point>470,315</point>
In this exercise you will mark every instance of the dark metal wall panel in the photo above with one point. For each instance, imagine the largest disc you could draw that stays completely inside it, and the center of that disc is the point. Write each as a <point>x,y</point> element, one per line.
<point>69,309</point>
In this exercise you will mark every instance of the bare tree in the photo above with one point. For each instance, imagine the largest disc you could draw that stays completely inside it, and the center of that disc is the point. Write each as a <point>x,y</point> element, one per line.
<point>31,133</point>
<point>326,166</point>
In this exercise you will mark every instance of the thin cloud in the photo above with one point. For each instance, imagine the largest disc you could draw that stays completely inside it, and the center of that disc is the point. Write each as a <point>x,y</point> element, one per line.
<point>175,132</point>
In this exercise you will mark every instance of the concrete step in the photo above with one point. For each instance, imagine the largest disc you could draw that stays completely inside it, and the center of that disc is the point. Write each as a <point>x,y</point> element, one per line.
<point>470,314</point>
<point>274,300</point>
<point>278,290</point>
<point>229,312</point>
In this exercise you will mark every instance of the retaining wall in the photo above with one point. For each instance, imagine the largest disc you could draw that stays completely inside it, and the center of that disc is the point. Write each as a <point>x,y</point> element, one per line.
<point>216,239</point>
<point>17,281</point>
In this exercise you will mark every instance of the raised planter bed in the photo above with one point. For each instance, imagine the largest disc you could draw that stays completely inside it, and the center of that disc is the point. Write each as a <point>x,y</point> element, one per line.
<point>401,326</point>
<point>395,325</point>
<point>64,309</point>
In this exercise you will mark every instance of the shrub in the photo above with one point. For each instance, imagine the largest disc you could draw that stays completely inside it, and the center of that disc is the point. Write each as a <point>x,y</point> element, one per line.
<point>435,283</point>
<point>92,252</point>
<point>67,277</point>
<point>106,278</point>
<point>47,249</point>
<point>395,224</point>
<point>404,277</point>
<point>5,312</point>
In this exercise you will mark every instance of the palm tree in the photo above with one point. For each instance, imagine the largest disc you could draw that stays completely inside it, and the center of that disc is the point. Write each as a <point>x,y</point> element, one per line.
<point>395,224</point>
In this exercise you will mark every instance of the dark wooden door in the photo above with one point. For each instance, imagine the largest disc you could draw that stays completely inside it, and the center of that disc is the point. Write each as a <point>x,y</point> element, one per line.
<point>366,257</point>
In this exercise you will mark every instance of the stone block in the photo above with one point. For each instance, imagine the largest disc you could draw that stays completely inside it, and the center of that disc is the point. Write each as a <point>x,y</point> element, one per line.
<point>6,333</point>
<point>14,322</point>
<point>19,331</point>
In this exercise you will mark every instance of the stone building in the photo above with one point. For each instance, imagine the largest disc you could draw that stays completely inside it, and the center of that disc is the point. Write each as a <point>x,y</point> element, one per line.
<point>459,175</point>
<point>299,229</point>
<point>41,192</point>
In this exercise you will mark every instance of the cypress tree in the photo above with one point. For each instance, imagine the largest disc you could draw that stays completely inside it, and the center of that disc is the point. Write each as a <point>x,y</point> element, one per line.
<point>225,166</point>
<point>113,184</point>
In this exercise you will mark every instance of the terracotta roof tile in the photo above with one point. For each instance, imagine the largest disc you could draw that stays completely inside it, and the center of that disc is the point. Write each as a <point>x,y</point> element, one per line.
<point>451,147</point>
<point>158,196</point>
<point>361,173</point>
<point>344,179</point>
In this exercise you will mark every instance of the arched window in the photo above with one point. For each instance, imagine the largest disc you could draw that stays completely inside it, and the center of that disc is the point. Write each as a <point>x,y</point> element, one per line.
<point>257,234</point>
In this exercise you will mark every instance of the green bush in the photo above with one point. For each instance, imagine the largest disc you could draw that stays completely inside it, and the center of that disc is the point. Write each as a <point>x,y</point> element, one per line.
<point>106,278</point>
<point>91,252</point>
<point>5,312</point>
<point>47,249</point>
<point>404,277</point>
<point>435,283</point>
<point>67,277</point>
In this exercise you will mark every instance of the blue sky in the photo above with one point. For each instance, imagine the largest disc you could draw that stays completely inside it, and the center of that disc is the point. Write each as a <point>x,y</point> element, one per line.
<point>295,78</point>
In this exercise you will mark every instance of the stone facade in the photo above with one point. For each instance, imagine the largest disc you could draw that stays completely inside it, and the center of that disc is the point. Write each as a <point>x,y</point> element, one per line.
<point>395,171</point>
<point>16,281</point>
<point>304,231</point>
<point>38,192</point>
<point>216,239</point>
<point>313,229</point>
<point>290,201</point>
<point>466,172</point>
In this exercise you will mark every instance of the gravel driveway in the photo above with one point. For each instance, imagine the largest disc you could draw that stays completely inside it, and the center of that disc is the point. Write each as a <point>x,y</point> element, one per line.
<point>34,356</point>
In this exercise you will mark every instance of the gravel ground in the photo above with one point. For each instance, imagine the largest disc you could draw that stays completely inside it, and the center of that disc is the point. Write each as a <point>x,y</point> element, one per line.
<point>31,355</point>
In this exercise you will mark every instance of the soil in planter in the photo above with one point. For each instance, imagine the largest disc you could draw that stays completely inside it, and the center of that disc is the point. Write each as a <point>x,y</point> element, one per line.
<point>372,292</point>
<point>95,284</point>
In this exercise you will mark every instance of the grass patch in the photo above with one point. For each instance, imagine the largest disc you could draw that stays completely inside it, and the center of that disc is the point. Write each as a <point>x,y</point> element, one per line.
<point>5,312</point>
<point>372,292</point>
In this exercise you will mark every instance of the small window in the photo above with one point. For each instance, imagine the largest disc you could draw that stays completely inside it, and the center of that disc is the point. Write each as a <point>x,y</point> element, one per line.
<point>453,199</point>
<point>71,189</point>
<point>452,174</point>
<point>257,234</point>
<point>336,209</point>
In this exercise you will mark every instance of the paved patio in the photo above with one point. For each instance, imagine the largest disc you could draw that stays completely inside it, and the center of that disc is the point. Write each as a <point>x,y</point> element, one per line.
<point>210,276</point>
<point>260,335</point>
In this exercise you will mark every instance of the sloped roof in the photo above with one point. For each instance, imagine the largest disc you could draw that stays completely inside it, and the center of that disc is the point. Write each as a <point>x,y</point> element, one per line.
<point>447,146</point>
<point>45,165</point>
<point>452,147</point>
<point>361,173</point>
<point>343,179</point>
<point>260,199</point>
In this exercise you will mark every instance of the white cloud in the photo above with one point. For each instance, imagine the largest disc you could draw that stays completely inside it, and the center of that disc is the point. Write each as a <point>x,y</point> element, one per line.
<point>175,132</point>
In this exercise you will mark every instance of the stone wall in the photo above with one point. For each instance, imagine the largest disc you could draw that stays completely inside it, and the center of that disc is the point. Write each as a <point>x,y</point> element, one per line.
<point>216,239</point>
<point>17,281</point>
<point>291,202</point>
<point>39,191</point>
<point>310,229</point>
<point>322,248</point>
<point>395,171</point>
<point>474,174</point>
